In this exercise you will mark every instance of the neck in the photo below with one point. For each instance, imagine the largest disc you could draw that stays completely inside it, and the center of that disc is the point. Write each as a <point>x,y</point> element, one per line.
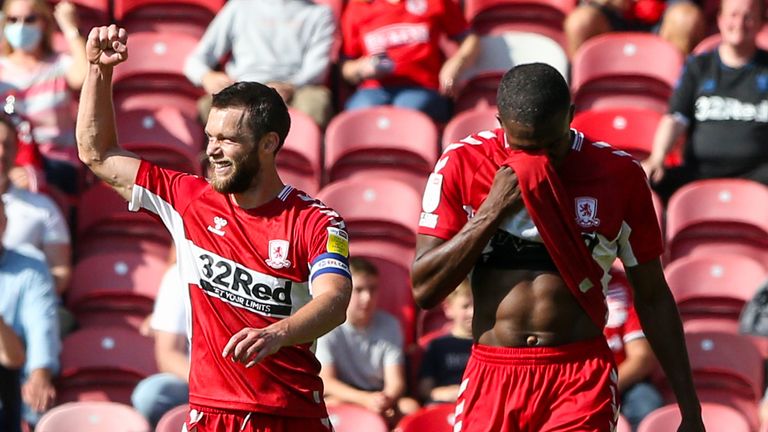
<point>459,332</point>
<point>265,189</point>
<point>736,56</point>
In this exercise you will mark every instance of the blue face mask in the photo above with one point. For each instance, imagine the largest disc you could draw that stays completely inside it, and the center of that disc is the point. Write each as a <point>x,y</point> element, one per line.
<point>22,36</point>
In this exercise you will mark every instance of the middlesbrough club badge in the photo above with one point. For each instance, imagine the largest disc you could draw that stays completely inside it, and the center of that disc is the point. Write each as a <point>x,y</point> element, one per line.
<point>586,212</point>
<point>278,254</point>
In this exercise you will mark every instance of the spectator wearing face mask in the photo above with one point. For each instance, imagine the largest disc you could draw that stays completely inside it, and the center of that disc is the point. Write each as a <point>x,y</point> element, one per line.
<point>41,80</point>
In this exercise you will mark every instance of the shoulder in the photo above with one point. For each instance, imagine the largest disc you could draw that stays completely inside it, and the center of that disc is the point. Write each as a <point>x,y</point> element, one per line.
<point>386,322</point>
<point>20,261</point>
<point>34,199</point>
<point>312,210</point>
<point>761,58</point>
<point>609,158</point>
<point>472,148</point>
<point>698,63</point>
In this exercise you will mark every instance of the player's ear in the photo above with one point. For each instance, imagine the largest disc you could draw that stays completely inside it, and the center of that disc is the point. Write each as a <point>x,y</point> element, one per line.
<point>269,143</point>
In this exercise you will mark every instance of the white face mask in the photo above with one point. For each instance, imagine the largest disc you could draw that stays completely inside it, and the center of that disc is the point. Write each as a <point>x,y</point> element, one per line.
<point>24,37</point>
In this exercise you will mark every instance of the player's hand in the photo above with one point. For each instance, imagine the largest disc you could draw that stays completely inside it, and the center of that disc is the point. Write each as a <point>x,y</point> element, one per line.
<point>107,46</point>
<point>38,391</point>
<point>654,169</point>
<point>504,195</point>
<point>251,345</point>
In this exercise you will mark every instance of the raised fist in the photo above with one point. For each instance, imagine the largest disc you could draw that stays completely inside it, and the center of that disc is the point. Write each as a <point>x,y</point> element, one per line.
<point>107,46</point>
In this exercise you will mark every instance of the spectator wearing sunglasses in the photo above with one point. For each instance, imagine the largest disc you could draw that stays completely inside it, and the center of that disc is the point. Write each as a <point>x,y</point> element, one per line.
<point>41,80</point>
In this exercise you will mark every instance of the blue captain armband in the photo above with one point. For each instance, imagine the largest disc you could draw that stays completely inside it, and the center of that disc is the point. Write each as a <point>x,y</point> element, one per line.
<point>329,263</point>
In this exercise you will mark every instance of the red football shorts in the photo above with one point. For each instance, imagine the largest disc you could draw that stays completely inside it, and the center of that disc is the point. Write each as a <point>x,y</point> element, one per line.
<point>205,419</point>
<point>569,388</point>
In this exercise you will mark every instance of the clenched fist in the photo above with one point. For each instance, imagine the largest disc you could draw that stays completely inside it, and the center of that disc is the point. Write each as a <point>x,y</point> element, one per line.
<point>107,46</point>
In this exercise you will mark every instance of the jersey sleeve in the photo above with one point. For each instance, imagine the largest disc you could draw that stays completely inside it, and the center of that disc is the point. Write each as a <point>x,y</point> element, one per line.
<point>640,237</point>
<point>442,213</point>
<point>453,21</point>
<point>165,193</point>
<point>682,101</point>
<point>328,243</point>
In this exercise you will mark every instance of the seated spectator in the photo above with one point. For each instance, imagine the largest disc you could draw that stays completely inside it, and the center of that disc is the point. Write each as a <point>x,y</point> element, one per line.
<point>392,53</point>
<point>28,306</point>
<point>633,354</point>
<point>680,22</point>
<point>41,81</point>
<point>12,359</point>
<point>159,393</point>
<point>284,44</point>
<point>721,106</point>
<point>362,360</point>
<point>446,356</point>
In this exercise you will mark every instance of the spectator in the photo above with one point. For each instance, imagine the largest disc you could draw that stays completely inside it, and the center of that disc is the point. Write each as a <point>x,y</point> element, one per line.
<point>34,220</point>
<point>40,79</point>
<point>632,352</point>
<point>362,360</point>
<point>285,44</point>
<point>392,52</point>
<point>721,105</point>
<point>157,394</point>
<point>28,306</point>
<point>446,357</point>
<point>11,360</point>
<point>680,22</point>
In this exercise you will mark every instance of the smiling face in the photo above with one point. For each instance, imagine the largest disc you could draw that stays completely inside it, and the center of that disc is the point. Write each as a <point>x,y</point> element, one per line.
<point>739,22</point>
<point>232,152</point>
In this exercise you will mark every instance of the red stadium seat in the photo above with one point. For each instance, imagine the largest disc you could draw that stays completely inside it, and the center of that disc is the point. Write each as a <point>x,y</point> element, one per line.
<point>625,69</point>
<point>629,129</point>
<point>717,418</point>
<point>165,136</point>
<point>714,285</point>
<point>386,141</point>
<point>623,425</point>
<point>467,123</point>
<point>104,363</point>
<point>187,16</point>
<point>434,418</point>
<point>92,417</point>
<point>137,98</point>
<point>173,420</point>
<point>156,63</point>
<point>116,281</point>
<point>298,162</point>
<point>711,42</point>
<point>487,16</point>
<point>719,216</point>
<point>355,418</point>
<point>477,85</point>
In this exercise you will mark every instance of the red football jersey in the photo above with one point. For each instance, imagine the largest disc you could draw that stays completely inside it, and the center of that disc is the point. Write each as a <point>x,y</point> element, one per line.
<point>246,268</point>
<point>611,200</point>
<point>408,31</point>
<point>623,324</point>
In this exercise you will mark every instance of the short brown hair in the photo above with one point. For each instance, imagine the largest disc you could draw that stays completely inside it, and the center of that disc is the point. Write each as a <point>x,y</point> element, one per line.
<point>362,265</point>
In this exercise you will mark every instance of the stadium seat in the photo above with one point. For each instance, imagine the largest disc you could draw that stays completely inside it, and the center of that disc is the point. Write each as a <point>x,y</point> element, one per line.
<point>136,98</point>
<point>165,136</point>
<point>717,418</point>
<point>117,281</point>
<point>711,42</point>
<point>186,16</point>
<point>623,425</point>
<point>102,211</point>
<point>156,63</point>
<point>298,162</point>
<point>541,16</point>
<point>467,123</point>
<point>627,128</point>
<point>173,420</point>
<point>355,418</point>
<point>104,363</point>
<point>621,69</point>
<point>714,285</point>
<point>92,417</point>
<point>386,141</point>
<point>477,85</point>
<point>719,216</point>
<point>434,418</point>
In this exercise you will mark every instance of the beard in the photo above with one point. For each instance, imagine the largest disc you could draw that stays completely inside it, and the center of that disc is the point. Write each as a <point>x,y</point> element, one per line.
<point>245,170</point>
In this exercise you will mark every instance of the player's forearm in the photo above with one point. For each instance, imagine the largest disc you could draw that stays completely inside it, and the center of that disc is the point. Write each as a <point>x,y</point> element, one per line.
<point>96,132</point>
<point>439,270</point>
<point>664,331</point>
<point>321,315</point>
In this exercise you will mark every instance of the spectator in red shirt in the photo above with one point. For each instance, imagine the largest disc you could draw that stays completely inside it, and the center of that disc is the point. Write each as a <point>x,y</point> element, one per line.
<point>393,54</point>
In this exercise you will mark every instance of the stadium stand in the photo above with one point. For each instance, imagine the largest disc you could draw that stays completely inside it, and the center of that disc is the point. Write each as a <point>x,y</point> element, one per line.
<point>185,16</point>
<point>434,418</point>
<point>544,17</point>
<point>92,417</point>
<point>611,70</point>
<point>354,418</point>
<point>467,123</point>
<point>173,420</point>
<point>717,418</point>
<point>299,161</point>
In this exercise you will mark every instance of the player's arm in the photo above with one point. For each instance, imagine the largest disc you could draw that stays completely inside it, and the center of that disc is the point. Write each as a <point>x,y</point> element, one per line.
<point>97,146</point>
<point>440,265</point>
<point>661,323</point>
<point>324,312</point>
